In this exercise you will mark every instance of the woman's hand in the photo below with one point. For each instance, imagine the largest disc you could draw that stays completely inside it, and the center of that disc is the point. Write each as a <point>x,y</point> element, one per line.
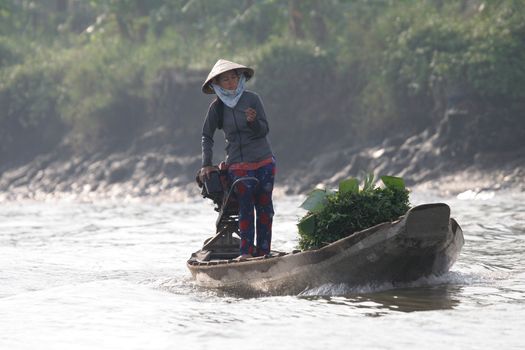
<point>204,173</point>
<point>251,114</point>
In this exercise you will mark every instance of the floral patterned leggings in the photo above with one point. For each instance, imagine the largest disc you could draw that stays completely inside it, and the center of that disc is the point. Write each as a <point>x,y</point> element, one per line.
<point>259,196</point>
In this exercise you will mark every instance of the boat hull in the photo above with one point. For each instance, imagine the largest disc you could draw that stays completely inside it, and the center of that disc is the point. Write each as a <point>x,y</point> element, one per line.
<point>424,242</point>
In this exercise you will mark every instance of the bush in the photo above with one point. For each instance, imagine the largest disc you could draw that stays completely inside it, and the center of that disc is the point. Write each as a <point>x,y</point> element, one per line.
<point>493,62</point>
<point>335,215</point>
<point>104,93</point>
<point>29,119</point>
<point>293,70</point>
<point>296,82</point>
<point>8,52</point>
<point>483,52</point>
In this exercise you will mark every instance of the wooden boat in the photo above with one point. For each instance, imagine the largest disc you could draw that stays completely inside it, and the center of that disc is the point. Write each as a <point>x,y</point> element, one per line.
<point>424,242</point>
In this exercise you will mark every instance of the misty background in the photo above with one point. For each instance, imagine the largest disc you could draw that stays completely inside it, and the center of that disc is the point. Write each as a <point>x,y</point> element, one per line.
<point>104,96</point>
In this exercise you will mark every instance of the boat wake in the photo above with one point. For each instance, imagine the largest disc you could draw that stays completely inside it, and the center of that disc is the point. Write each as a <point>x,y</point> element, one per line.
<point>343,289</point>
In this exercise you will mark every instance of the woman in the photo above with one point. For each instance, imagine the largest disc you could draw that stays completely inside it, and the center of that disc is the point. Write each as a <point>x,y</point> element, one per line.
<point>240,114</point>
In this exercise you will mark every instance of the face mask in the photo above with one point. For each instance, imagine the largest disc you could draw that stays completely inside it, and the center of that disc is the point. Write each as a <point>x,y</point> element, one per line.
<point>230,97</point>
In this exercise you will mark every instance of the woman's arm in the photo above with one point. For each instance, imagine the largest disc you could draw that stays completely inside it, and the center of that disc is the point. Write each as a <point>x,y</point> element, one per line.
<point>208,130</point>
<point>256,118</point>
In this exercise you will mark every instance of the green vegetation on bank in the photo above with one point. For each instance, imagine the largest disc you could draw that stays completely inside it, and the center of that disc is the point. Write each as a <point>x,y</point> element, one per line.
<point>333,215</point>
<point>361,69</point>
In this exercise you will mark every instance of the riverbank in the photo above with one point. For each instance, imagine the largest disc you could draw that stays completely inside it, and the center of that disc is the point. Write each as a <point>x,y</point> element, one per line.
<point>130,175</point>
<point>473,146</point>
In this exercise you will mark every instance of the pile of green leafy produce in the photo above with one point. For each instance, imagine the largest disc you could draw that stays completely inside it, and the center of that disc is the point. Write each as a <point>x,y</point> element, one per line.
<point>333,215</point>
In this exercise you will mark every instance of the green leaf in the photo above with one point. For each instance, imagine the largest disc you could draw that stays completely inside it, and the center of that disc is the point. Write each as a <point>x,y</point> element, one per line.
<point>368,184</point>
<point>315,201</point>
<point>393,182</point>
<point>307,225</point>
<point>349,185</point>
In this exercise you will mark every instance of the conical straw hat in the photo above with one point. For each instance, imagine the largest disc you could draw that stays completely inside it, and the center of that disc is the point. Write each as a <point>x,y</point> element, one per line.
<point>223,66</point>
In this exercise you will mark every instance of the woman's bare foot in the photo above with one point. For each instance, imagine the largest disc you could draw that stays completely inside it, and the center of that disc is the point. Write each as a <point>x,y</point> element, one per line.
<point>243,257</point>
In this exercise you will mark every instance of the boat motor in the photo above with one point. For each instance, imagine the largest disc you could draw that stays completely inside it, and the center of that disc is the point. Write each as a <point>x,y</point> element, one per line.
<point>213,187</point>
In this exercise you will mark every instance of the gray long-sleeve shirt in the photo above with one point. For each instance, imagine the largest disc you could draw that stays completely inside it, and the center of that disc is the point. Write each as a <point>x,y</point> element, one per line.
<point>245,142</point>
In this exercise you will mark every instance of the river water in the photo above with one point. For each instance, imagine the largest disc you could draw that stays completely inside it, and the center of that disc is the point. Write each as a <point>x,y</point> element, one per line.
<point>111,275</point>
